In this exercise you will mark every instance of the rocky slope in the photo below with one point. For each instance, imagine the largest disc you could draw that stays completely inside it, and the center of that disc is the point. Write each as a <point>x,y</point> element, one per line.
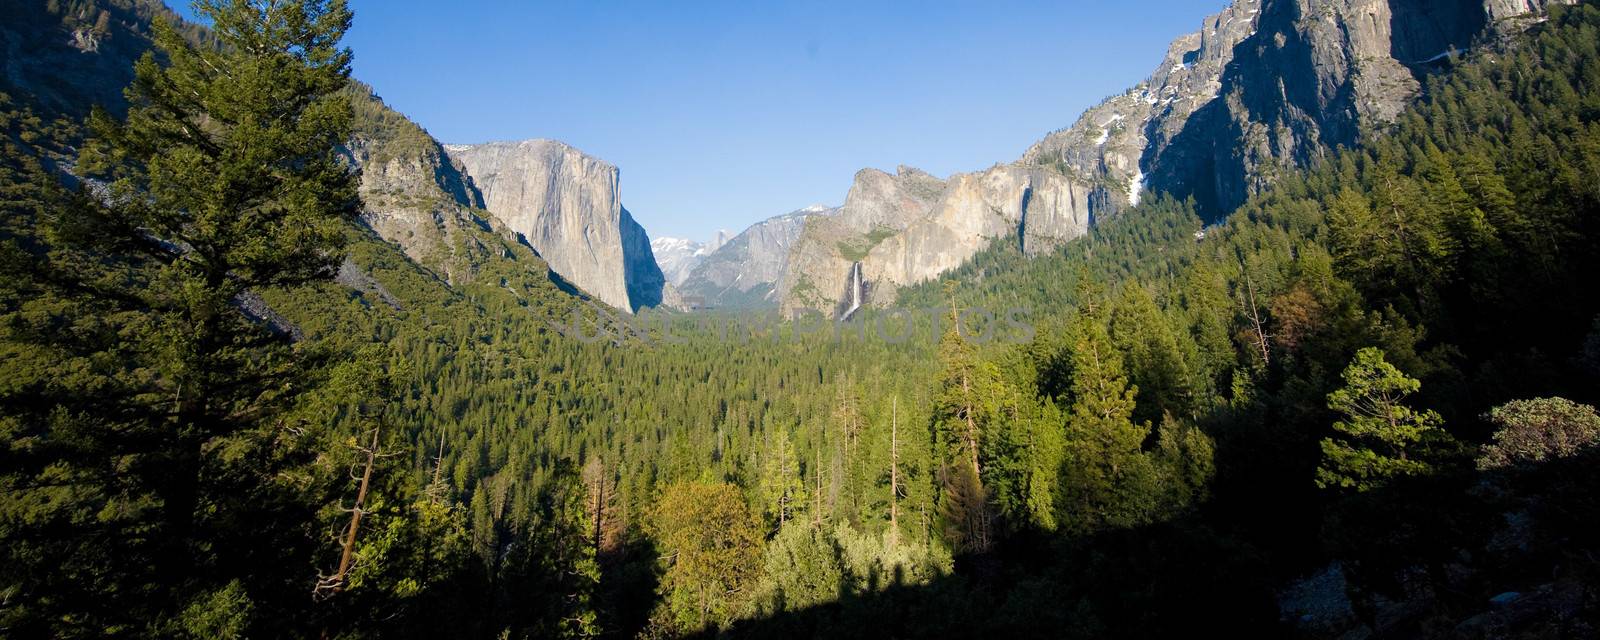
<point>413,195</point>
<point>910,226</point>
<point>568,208</point>
<point>1107,145</point>
<point>744,271</point>
<point>1267,82</point>
<point>65,57</point>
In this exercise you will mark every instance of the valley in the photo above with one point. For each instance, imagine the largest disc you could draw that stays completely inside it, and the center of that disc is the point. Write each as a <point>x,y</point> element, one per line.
<point>1295,339</point>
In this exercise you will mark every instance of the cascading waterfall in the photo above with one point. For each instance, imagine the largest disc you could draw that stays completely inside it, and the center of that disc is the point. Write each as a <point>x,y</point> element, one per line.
<point>856,290</point>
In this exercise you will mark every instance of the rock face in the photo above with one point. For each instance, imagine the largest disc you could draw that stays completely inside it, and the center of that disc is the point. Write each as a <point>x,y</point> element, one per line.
<point>908,227</point>
<point>413,194</point>
<point>67,59</point>
<point>1107,145</point>
<point>743,272</point>
<point>1264,83</point>
<point>567,206</point>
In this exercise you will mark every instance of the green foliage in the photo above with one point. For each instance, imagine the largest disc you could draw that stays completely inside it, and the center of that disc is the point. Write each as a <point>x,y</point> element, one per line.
<point>856,250</point>
<point>388,134</point>
<point>1380,433</point>
<point>223,614</point>
<point>558,560</point>
<point>802,569</point>
<point>963,414</point>
<point>166,435</point>
<point>1434,242</point>
<point>1533,431</point>
<point>782,491</point>
<point>712,546</point>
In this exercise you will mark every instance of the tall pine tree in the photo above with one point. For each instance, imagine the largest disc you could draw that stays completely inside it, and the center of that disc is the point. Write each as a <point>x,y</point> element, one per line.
<point>150,424</point>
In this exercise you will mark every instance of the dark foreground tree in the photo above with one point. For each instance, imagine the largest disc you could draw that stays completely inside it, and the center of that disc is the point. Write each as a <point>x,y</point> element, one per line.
<point>151,484</point>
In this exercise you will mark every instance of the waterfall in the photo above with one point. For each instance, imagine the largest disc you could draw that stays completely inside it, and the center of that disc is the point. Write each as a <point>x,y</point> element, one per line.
<point>856,289</point>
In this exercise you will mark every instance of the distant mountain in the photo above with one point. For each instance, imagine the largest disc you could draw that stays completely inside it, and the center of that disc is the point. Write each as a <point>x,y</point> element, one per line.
<point>744,271</point>
<point>679,256</point>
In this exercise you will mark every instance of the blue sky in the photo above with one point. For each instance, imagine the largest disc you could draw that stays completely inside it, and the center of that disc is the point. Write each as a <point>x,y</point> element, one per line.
<point>723,113</point>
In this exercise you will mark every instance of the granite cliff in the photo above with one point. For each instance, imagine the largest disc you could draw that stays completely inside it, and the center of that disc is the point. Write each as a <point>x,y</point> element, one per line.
<point>65,58</point>
<point>567,206</point>
<point>910,226</point>
<point>1268,83</point>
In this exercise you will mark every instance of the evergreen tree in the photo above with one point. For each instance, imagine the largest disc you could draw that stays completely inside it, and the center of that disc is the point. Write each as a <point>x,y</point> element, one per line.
<point>960,414</point>
<point>161,429</point>
<point>1531,432</point>
<point>782,488</point>
<point>552,577</point>
<point>1107,479</point>
<point>1379,432</point>
<point>603,507</point>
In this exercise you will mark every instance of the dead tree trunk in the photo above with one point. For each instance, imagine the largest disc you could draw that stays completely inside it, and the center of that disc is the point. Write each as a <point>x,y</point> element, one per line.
<point>329,585</point>
<point>436,488</point>
<point>1259,337</point>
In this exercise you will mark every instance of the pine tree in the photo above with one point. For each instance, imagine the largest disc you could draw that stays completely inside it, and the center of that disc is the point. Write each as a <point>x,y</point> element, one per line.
<point>602,506</point>
<point>552,574</point>
<point>1155,362</point>
<point>1045,450</point>
<point>224,181</point>
<point>1108,479</point>
<point>894,471</point>
<point>1379,430</point>
<point>781,484</point>
<point>959,419</point>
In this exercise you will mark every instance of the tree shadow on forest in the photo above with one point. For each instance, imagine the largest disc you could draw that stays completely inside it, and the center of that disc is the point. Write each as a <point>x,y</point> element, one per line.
<point>629,580</point>
<point>1423,558</point>
<point>1150,581</point>
<point>1504,553</point>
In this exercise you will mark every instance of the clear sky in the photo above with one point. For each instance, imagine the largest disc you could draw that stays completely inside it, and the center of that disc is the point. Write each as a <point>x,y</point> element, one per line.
<point>723,113</point>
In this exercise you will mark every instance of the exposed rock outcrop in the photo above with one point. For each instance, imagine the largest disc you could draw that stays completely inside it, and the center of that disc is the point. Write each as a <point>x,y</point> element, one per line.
<point>413,194</point>
<point>567,206</point>
<point>65,58</point>
<point>743,272</point>
<point>1263,84</point>
<point>908,227</point>
<point>1267,83</point>
<point>1108,143</point>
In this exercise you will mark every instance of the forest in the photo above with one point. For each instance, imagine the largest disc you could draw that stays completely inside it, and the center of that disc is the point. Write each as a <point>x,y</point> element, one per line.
<point>1378,374</point>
